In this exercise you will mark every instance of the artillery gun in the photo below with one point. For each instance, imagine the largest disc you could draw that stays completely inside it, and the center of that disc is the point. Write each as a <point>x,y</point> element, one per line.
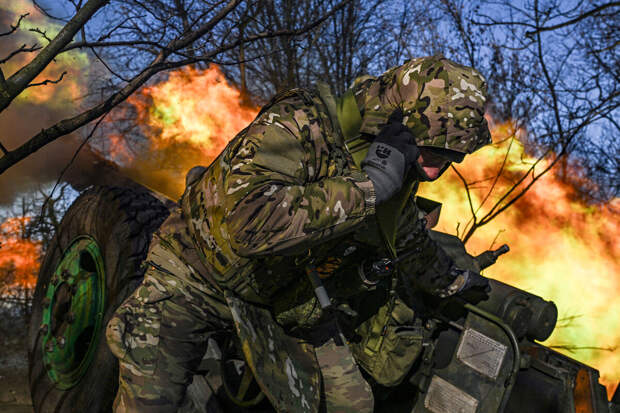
<point>482,355</point>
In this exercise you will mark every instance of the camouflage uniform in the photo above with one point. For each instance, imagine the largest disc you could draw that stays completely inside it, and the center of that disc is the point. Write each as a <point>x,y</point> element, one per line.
<point>160,333</point>
<point>284,194</point>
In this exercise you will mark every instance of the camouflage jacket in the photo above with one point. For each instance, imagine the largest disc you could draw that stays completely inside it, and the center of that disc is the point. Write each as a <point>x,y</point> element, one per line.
<point>286,189</point>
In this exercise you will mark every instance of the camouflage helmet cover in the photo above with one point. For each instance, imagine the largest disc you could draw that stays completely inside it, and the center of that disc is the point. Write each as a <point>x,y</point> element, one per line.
<point>442,102</point>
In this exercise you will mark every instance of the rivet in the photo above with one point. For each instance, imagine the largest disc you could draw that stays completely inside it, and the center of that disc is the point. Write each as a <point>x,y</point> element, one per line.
<point>61,342</point>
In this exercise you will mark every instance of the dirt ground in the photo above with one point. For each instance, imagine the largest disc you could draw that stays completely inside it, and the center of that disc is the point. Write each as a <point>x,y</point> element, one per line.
<point>14,391</point>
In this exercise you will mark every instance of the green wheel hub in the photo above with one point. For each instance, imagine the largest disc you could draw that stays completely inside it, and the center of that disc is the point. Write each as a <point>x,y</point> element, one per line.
<point>73,313</point>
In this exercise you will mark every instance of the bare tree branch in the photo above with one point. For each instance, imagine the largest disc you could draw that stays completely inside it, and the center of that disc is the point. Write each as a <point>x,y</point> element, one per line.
<point>21,49</point>
<point>43,33</point>
<point>564,108</point>
<point>46,12</point>
<point>495,238</point>
<point>577,19</point>
<point>469,200</point>
<point>48,81</point>
<point>468,230</point>
<point>16,26</point>
<point>22,78</point>
<point>504,202</point>
<point>129,43</point>
<point>105,64</point>
<point>158,64</point>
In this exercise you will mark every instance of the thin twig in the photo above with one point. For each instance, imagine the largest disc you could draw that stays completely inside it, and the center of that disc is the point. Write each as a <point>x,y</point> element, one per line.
<point>128,43</point>
<point>496,237</point>
<point>84,142</point>
<point>589,13</point>
<point>16,26</point>
<point>105,64</point>
<point>469,200</point>
<point>43,33</point>
<point>258,36</point>
<point>48,81</point>
<point>45,11</point>
<point>499,173</point>
<point>21,49</point>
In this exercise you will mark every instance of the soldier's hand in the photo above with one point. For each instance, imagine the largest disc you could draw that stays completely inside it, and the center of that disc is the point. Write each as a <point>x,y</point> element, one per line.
<point>472,279</point>
<point>390,157</point>
<point>465,280</point>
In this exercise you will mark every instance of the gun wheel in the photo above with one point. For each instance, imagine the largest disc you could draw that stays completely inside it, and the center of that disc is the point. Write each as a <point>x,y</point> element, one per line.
<point>91,266</point>
<point>73,313</point>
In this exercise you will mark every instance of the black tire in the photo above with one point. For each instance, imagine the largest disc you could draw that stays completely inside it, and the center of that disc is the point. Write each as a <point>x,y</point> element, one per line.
<point>121,221</point>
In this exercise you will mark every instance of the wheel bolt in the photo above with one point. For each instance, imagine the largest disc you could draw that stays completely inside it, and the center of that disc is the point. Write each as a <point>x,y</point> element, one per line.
<point>61,342</point>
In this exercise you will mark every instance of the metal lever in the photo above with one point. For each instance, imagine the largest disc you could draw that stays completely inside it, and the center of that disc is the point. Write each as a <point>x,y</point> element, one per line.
<point>489,258</point>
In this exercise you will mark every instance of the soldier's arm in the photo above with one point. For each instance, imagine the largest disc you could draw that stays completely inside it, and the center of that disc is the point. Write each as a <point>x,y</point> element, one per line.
<point>276,193</point>
<point>429,268</point>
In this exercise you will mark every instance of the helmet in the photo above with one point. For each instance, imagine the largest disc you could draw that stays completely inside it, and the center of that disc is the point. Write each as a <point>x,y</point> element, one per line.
<point>442,103</point>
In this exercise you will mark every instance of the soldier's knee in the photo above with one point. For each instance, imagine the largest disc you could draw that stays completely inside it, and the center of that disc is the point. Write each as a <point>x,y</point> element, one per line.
<point>133,332</point>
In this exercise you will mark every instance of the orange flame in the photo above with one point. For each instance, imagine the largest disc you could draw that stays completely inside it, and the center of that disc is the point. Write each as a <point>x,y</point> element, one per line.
<point>197,107</point>
<point>19,256</point>
<point>561,248</point>
<point>188,118</point>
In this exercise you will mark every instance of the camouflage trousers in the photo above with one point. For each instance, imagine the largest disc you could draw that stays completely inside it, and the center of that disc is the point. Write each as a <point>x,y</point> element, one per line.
<point>160,334</point>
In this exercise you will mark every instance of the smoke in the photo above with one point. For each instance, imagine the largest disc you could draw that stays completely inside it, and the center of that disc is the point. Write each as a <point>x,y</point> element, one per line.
<point>18,123</point>
<point>39,107</point>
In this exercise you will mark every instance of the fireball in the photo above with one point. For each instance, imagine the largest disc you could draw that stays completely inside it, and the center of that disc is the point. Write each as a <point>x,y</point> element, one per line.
<point>19,255</point>
<point>187,119</point>
<point>562,249</point>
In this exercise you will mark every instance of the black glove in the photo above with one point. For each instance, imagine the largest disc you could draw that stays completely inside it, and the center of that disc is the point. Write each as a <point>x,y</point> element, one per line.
<point>473,280</point>
<point>390,157</point>
<point>465,280</point>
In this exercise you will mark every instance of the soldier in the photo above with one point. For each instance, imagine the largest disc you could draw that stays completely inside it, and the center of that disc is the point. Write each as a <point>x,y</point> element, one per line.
<point>313,186</point>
